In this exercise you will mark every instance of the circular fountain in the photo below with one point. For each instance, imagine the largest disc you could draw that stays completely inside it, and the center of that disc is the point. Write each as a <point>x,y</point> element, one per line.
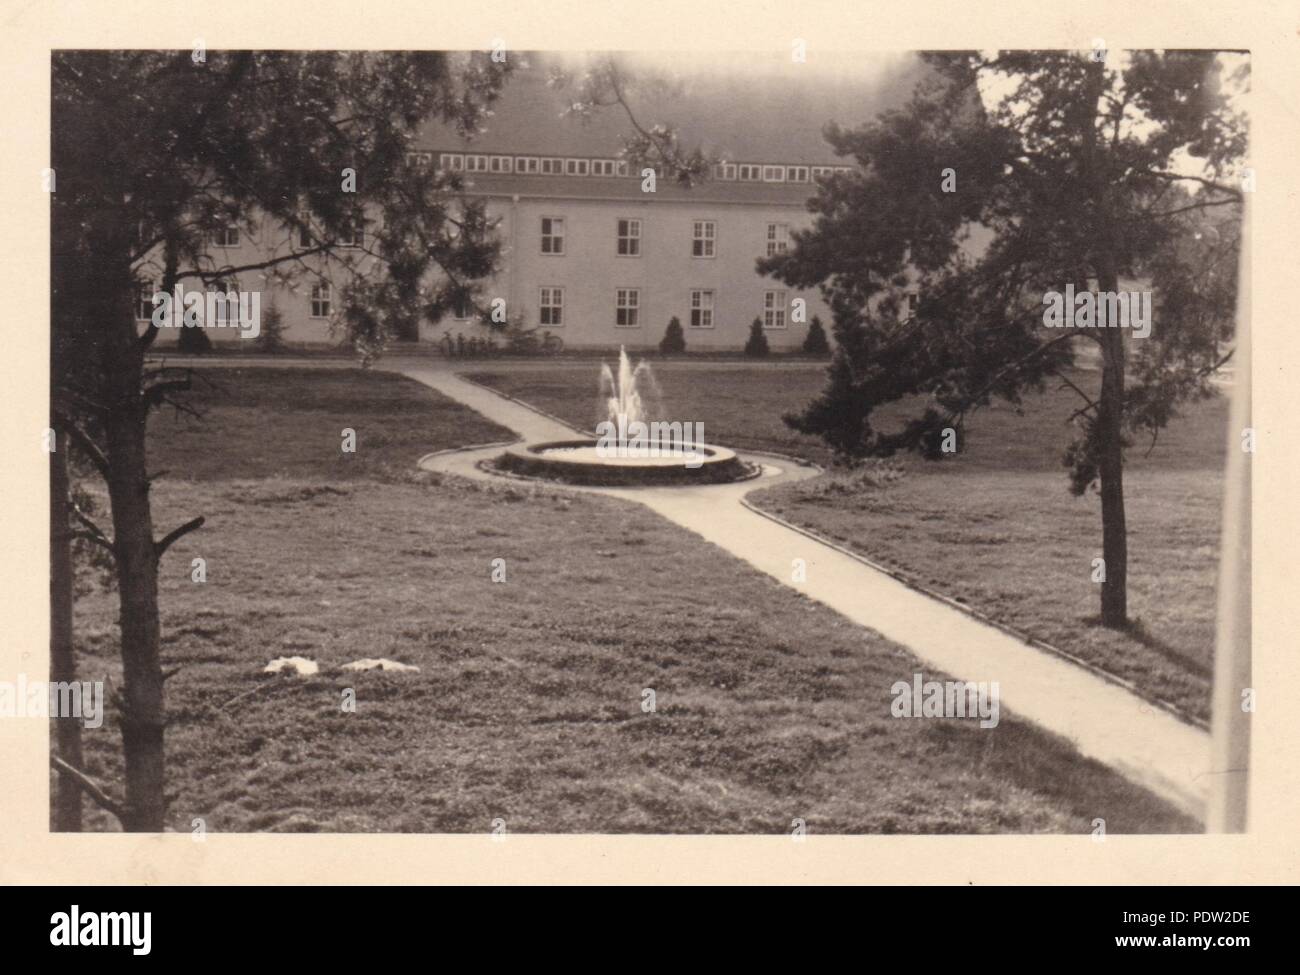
<point>632,448</point>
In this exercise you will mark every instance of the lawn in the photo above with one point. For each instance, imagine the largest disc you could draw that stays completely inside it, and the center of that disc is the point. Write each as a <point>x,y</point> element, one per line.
<point>994,527</point>
<point>528,703</point>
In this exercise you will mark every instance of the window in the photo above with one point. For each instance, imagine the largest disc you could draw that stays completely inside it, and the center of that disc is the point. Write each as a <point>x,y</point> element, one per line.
<point>796,174</point>
<point>704,236</point>
<point>452,161</point>
<point>476,164</point>
<point>629,238</point>
<point>529,165</point>
<point>774,174</point>
<point>502,164</point>
<point>778,238</point>
<point>627,303</point>
<point>749,171</point>
<point>575,167</point>
<point>226,237</point>
<point>774,309</point>
<point>602,167</point>
<point>620,168</point>
<point>552,306</point>
<point>843,169</point>
<point>552,167</point>
<point>304,232</point>
<point>820,171</point>
<point>461,309</point>
<point>724,171</point>
<point>701,309</point>
<point>351,234</point>
<point>322,296</point>
<point>144,302</point>
<point>418,160</point>
<point>911,302</point>
<point>552,235</point>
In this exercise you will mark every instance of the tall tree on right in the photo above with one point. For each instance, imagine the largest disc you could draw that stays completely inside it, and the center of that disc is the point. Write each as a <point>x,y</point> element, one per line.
<point>1062,169</point>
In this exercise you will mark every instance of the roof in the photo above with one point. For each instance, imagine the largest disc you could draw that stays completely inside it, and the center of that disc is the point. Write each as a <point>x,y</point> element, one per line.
<point>742,106</point>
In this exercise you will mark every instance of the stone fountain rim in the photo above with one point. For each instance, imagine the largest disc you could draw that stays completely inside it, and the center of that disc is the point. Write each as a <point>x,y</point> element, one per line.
<point>720,465</point>
<point>536,449</point>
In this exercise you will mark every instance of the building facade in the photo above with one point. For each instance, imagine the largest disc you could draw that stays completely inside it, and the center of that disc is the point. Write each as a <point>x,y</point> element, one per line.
<point>601,253</point>
<point>605,260</point>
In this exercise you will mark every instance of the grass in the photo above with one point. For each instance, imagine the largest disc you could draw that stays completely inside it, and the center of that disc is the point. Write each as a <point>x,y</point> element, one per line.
<point>266,423</point>
<point>528,702</point>
<point>994,527</point>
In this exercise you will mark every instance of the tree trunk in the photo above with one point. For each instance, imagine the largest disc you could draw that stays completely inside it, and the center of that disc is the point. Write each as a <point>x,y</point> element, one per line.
<point>1110,407</point>
<point>1110,467</point>
<point>63,663</point>
<point>142,717</point>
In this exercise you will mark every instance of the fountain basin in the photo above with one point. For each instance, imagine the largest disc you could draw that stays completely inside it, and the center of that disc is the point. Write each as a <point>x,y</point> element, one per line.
<point>586,463</point>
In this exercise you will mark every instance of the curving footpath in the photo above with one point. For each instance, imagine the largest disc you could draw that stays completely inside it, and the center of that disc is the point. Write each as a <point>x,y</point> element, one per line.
<point>1147,745</point>
<point>1104,721</point>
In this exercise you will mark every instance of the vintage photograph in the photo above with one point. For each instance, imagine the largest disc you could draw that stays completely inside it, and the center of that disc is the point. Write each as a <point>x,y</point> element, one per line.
<point>512,441</point>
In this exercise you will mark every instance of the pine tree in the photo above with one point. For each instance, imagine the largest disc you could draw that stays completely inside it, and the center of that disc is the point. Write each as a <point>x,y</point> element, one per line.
<point>1074,172</point>
<point>814,342</point>
<point>756,347</point>
<point>271,337</point>
<point>250,137</point>
<point>673,342</point>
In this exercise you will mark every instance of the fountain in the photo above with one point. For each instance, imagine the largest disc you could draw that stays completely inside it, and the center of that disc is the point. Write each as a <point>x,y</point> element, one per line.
<point>634,446</point>
<point>623,395</point>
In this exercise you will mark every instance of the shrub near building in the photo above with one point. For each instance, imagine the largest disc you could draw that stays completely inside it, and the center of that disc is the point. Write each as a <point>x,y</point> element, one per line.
<point>673,342</point>
<point>815,342</point>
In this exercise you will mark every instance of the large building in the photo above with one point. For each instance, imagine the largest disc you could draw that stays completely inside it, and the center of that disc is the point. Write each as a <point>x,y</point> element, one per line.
<point>592,252</point>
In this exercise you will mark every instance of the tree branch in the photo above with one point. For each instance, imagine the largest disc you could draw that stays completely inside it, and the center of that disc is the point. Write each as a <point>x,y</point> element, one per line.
<point>90,787</point>
<point>1196,206</point>
<point>92,532</point>
<point>1003,372</point>
<point>202,275</point>
<point>156,393</point>
<point>176,533</point>
<point>1195,179</point>
<point>1091,405</point>
<point>83,440</point>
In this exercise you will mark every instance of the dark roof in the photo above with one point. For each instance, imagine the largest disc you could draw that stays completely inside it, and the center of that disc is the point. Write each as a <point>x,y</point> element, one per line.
<point>741,106</point>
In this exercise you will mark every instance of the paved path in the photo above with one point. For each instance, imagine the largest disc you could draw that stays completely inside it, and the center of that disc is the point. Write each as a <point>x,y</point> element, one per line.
<point>1104,721</point>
